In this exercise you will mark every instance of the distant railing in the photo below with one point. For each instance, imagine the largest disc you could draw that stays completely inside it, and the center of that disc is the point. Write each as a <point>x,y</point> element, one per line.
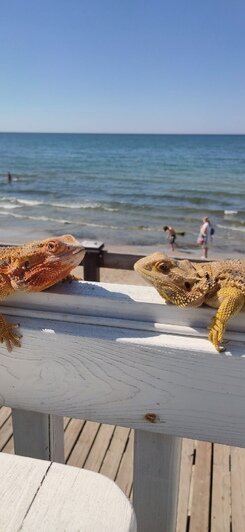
<point>97,257</point>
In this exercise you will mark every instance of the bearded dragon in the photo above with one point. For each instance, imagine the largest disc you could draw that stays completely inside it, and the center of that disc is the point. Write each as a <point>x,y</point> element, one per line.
<point>32,268</point>
<point>218,284</point>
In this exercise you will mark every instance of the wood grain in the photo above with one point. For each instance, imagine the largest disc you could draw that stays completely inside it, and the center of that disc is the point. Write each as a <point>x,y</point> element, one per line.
<point>119,375</point>
<point>81,500</point>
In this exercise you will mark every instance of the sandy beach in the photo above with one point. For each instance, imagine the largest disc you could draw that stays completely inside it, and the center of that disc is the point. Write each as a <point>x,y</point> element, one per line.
<point>109,275</point>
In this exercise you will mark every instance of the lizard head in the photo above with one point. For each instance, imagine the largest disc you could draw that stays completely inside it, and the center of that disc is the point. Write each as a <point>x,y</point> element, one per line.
<point>180,282</point>
<point>41,264</point>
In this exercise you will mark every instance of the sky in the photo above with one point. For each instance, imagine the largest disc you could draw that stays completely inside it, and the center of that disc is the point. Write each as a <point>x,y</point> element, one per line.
<point>122,66</point>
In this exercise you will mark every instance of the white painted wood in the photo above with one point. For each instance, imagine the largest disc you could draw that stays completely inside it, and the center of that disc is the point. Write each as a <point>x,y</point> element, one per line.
<point>40,495</point>
<point>38,435</point>
<point>140,303</point>
<point>118,355</point>
<point>156,480</point>
<point>117,376</point>
<point>19,482</point>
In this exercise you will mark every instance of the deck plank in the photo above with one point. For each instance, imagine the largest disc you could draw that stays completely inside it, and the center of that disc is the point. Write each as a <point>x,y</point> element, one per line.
<point>9,446</point>
<point>6,432</point>
<point>99,448</point>
<point>238,488</point>
<point>124,478</point>
<point>188,447</point>
<point>5,412</point>
<point>199,521</point>
<point>221,489</point>
<point>84,443</point>
<point>72,433</point>
<point>115,452</point>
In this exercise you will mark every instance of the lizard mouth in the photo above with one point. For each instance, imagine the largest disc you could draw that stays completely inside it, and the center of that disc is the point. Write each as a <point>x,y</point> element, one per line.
<point>70,256</point>
<point>48,269</point>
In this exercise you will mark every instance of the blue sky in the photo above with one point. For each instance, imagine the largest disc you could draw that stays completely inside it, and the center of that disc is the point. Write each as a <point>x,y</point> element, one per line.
<point>122,66</point>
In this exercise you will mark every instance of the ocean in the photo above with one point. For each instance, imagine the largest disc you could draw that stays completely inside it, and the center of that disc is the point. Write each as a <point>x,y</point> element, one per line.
<point>122,189</point>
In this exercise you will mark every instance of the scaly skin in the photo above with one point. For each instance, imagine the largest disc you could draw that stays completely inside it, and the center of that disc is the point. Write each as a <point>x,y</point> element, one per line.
<point>218,284</point>
<point>32,268</point>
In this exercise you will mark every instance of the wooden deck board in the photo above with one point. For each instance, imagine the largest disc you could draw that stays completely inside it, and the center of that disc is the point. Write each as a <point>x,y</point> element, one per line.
<point>100,446</point>
<point>221,489</point>
<point>199,519</point>
<point>115,452</point>
<point>72,433</point>
<point>4,414</point>
<point>84,443</point>
<point>188,447</point>
<point>124,478</point>
<point>6,432</point>
<point>238,488</point>
<point>212,491</point>
<point>9,446</point>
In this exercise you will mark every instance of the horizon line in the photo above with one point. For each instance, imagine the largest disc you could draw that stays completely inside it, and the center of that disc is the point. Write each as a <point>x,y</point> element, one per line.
<point>115,133</point>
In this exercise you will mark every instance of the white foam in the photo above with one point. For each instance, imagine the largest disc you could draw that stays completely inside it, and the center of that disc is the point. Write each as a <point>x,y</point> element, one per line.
<point>232,228</point>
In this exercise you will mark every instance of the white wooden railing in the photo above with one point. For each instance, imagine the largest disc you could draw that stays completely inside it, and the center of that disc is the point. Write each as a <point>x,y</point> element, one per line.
<point>117,354</point>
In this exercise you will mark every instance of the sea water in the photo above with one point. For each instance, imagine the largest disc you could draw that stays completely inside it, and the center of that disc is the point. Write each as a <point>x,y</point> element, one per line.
<point>122,189</point>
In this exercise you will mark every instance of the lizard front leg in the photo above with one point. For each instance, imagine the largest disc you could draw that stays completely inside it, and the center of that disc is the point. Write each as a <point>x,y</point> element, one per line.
<point>232,301</point>
<point>8,335</point>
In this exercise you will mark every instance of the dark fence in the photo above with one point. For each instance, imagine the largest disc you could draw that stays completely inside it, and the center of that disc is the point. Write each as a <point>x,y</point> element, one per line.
<point>97,257</point>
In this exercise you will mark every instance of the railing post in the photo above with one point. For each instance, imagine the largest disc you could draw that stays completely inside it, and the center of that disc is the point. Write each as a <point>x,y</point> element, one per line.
<point>156,481</point>
<point>38,435</point>
<point>91,262</point>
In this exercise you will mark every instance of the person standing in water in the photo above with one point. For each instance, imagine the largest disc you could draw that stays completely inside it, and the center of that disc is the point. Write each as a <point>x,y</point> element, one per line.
<point>205,235</point>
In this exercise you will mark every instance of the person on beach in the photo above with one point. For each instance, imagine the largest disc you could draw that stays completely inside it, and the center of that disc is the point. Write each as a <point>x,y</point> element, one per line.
<point>171,236</point>
<point>9,177</point>
<point>205,236</point>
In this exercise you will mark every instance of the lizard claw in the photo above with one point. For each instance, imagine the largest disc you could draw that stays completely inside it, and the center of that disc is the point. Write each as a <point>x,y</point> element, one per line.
<point>7,334</point>
<point>71,277</point>
<point>216,333</point>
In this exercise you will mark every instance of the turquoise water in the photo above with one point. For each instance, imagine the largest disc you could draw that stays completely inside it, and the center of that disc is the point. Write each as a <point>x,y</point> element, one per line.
<point>123,188</point>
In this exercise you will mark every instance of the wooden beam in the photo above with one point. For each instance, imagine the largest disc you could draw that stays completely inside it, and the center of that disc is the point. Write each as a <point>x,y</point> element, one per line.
<point>156,480</point>
<point>46,440</point>
<point>105,358</point>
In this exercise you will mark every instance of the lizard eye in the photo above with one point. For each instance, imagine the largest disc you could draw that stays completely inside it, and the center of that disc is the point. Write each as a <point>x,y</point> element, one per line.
<point>164,268</point>
<point>26,265</point>
<point>187,286</point>
<point>51,246</point>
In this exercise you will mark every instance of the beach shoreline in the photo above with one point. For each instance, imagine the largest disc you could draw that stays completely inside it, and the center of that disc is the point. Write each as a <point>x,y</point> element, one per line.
<point>124,189</point>
<point>16,235</point>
